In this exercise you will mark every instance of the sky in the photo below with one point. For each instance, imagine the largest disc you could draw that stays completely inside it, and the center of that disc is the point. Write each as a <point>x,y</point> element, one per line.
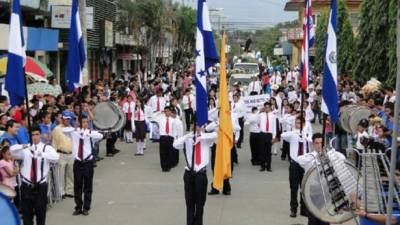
<point>247,13</point>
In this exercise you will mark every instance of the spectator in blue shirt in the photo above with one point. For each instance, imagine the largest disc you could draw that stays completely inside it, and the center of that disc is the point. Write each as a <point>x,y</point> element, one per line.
<point>11,133</point>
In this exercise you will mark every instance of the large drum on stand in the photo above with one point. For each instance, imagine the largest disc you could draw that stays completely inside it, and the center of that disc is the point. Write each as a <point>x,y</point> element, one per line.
<point>351,115</point>
<point>109,117</point>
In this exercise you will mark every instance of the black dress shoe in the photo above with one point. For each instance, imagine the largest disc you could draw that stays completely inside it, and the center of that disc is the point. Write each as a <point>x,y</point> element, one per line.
<point>293,214</point>
<point>304,213</point>
<point>269,170</point>
<point>110,155</point>
<point>77,212</point>
<point>213,192</point>
<point>226,192</point>
<point>68,196</point>
<point>262,169</point>
<point>85,212</point>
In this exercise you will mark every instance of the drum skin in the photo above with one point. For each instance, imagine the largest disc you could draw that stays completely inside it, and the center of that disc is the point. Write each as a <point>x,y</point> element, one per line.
<point>314,199</point>
<point>108,117</point>
<point>351,115</point>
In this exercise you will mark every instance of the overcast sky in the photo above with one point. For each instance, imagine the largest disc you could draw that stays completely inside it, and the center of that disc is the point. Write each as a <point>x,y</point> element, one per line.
<point>248,13</point>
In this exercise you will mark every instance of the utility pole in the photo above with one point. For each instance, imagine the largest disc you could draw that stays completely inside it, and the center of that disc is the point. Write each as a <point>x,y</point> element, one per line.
<point>395,127</point>
<point>82,16</point>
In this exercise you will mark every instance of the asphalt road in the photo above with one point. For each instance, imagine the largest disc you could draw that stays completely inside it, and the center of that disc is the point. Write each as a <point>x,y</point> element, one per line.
<point>132,190</point>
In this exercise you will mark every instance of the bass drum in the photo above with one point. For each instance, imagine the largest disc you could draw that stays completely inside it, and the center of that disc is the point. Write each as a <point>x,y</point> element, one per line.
<point>9,214</point>
<point>109,117</point>
<point>351,115</point>
<point>313,197</point>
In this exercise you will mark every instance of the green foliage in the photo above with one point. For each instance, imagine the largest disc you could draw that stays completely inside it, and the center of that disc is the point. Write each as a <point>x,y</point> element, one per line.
<point>320,40</point>
<point>392,43</point>
<point>346,40</point>
<point>269,38</point>
<point>373,43</point>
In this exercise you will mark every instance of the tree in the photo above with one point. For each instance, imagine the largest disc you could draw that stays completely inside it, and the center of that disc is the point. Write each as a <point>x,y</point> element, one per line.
<point>345,40</point>
<point>320,42</point>
<point>373,42</point>
<point>186,28</point>
<point>392,43</point>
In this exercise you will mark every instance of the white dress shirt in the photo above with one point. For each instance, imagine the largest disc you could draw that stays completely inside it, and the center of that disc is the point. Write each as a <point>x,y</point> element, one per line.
<point>294,139</point>
<point>292,96</point>
<point>188,142</point>
<point>275,79</point>
<point>213,126</point>
<point>292,77</point>
<point>213,114</point>
<point>87,136</point>
<point>153,103</point>
<point>262,122</point>
<point>239,108</point>
<point>162,124</point>
<point>42,153</point>
<point>254,86</point>
<point>128,106</point>
<point>252,121</point>
<point>288,122</point>
<point>185,101</point>
<point>178,128</point>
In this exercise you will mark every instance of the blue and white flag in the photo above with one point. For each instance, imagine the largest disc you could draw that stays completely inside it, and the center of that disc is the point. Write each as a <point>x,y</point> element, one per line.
<point>76,51</point>
<point>206,56</point>
<point>329,83</point>
<point>15,77</point>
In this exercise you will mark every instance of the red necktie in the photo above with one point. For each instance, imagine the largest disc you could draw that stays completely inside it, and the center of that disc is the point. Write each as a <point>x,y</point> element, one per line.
<point>129,111</point>
<point>198,153</point>
<point>167,126</point>
<point>33,171</point>
<point>80,149</point>
<point>300,151</point>
<point>254,84</point>
<point>190,102</point>
<point>138,115</point>
<point>267,124</point>
<point>158,104</point>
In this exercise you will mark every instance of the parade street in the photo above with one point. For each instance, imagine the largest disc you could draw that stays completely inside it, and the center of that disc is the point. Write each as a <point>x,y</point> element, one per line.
<point>132,190</point>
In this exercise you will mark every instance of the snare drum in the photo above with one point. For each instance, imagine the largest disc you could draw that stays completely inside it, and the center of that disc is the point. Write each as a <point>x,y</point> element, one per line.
<point>7,191</point>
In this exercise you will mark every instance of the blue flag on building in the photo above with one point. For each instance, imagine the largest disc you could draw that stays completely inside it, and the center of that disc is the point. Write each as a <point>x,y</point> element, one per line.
<point>329,83</point>
<point>15,77</point>
<point>76,51</point>
<point>206,56</point>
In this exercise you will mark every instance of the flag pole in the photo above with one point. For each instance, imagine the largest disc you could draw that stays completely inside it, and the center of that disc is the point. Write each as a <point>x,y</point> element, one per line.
<point>27,108</point>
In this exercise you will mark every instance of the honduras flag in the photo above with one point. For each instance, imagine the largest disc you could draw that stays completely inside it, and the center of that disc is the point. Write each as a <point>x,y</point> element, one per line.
<point>329,83</point>
<point>15,77</point>
<point>76,52</point>
<point>206,56</point>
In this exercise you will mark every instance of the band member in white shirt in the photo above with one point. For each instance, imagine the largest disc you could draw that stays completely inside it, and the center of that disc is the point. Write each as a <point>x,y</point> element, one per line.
<point>299,145</point>
<point>128,108</point>
<point>307,161</point>
<point>254,87</point>
<point>239,109</point>
<point>196,150</point>
<point>178,132</point>
<point>139,126</point>
<point>175,105</point>
<point>82,141</point>
<point>288,124</point>
<point>36,164</point>
<point>268,134</point>
<point>254,129</point>
<point>166,128</point>
<point>157,102</point>
<point>213,127</point>
<point>189,104</point>
<point>275,79</point>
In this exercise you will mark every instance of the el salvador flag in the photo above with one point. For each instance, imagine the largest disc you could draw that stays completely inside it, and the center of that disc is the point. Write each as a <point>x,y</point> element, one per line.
<point>329,83</point>
<point>206,56</point>
<point>15,77</point>
<point>76,52</point>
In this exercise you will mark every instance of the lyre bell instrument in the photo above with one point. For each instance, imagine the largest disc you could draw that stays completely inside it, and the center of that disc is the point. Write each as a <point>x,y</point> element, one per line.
<point>328,185</point>
<point>373,164</point>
